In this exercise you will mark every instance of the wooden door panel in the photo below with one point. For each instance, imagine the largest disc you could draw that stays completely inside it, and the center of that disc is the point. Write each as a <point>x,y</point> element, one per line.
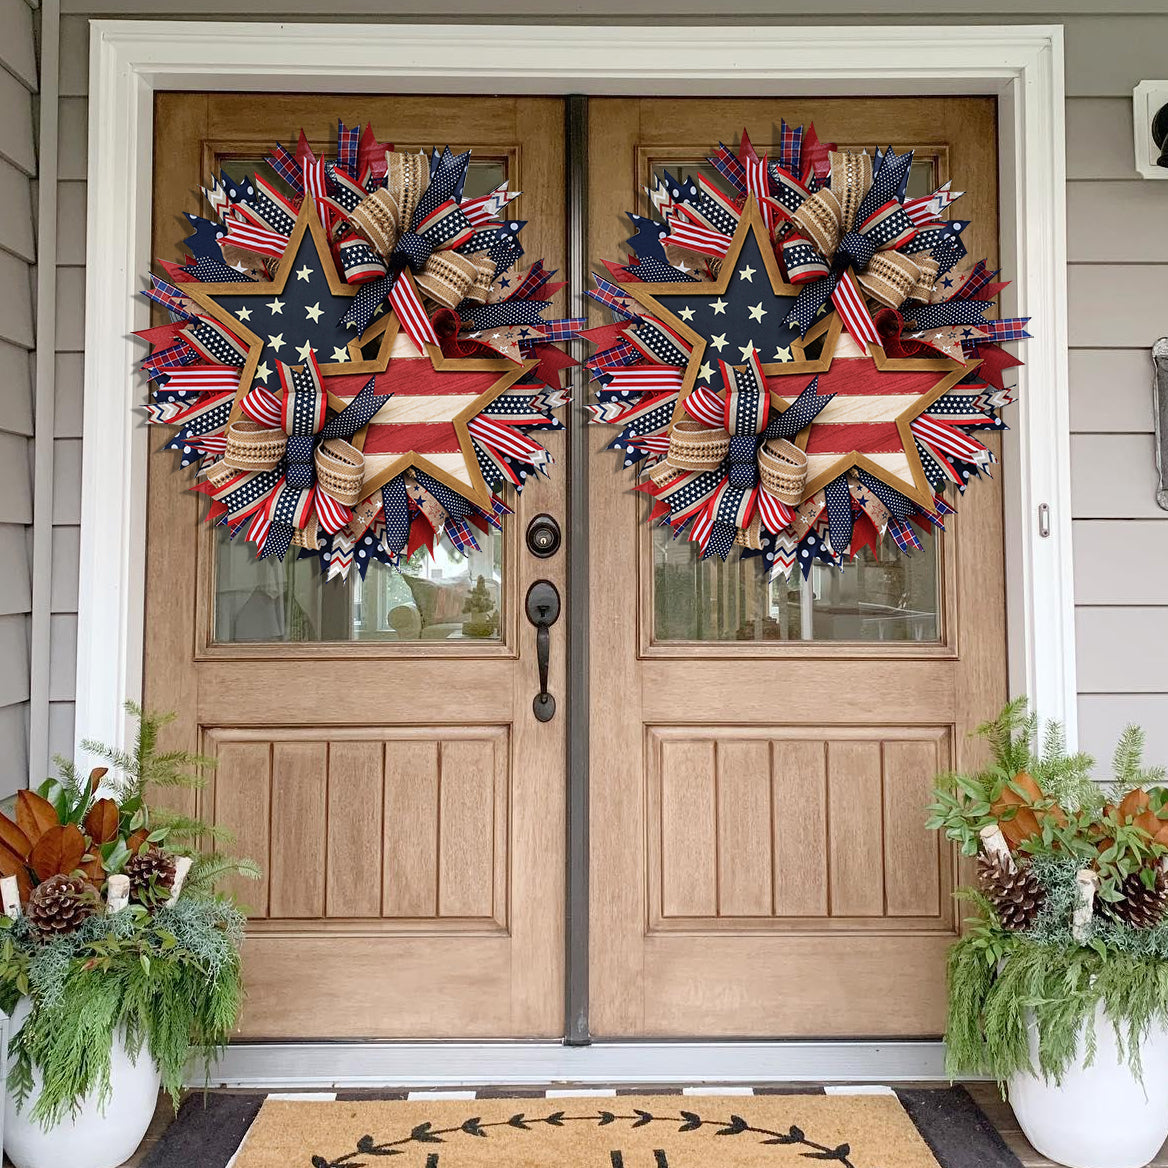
<point>762,828</point>
<point>760,865</point>
<point>403,801</point>
<point>395,825</point>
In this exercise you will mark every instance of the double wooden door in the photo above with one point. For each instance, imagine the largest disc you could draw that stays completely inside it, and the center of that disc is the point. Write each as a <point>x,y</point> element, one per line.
<point>761,753</point>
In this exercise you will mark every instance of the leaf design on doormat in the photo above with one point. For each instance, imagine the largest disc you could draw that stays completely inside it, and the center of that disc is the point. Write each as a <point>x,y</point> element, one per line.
<point>686,1121</point>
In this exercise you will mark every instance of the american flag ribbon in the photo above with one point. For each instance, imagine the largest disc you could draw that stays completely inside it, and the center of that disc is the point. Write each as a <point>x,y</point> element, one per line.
<point>262,406</point>
<point>533,280</point>
<point>685,232</point>
<point>215,342</point>
<point>486,207</point>
<point>250,237</point>
<point>943,436</point>
<point>904,535</point>
<point>659,343</point>
<point>203,379</point>
<point>316,187</point>
<point>853,310</point>
<point>507,440</point>
<point>649,378</point>
<point>408,306</point>
<point>979,277</point>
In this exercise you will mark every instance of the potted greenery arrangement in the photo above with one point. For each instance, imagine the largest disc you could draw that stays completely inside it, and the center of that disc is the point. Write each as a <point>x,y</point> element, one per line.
<point>117,957</point>
<point>1059,988</point>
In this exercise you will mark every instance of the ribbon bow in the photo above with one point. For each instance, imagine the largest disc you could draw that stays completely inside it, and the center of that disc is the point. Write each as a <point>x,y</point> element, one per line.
<point>852,231</point>
<point>322,471</point>
<point>415,221</point>
<point>733,466</point>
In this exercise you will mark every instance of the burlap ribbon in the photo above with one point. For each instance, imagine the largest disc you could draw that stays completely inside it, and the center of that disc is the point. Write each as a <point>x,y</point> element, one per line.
<point>403,231</point>
<point>779,466</point>
<point>828,219</point>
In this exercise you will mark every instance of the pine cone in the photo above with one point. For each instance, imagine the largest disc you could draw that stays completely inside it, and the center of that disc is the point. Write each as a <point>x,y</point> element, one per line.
<point>1142,907</point>
<point>1016,895</point>
<point>60,904</point>
<point>151,876</point>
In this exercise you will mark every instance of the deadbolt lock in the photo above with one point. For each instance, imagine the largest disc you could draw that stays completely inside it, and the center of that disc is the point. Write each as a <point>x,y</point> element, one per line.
<point>543,536</point>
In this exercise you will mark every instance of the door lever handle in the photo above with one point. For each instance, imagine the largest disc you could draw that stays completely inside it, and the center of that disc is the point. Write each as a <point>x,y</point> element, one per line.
<point>543,610</point>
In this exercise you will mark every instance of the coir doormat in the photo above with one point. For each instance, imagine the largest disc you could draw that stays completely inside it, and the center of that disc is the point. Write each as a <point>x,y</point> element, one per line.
<point>856,1128</point>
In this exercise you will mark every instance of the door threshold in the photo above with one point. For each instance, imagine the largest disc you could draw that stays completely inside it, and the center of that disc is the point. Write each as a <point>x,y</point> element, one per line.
<point>514,1063</point>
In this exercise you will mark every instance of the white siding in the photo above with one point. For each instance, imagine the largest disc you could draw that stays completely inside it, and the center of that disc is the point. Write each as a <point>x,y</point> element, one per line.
<point>1118,283</point>
<point>17,337</point>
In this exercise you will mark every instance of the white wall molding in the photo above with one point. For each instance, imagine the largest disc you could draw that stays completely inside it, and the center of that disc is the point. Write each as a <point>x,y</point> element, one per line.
<point>1022,65</point>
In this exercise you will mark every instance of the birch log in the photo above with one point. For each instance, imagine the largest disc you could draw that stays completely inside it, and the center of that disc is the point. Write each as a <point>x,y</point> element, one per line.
<point>1086,885</point>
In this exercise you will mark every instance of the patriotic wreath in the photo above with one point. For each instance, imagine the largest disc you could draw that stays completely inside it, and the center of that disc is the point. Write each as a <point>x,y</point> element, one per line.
<point>350,362</point>
<point>795,361</point>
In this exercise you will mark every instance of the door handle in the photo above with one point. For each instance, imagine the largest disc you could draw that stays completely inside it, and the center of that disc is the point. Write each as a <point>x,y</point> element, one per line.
<point>543,610</point>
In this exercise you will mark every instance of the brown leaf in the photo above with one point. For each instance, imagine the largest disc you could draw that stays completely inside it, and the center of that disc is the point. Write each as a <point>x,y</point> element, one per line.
<point>34,815</point>
<point>95,777</point>
<point>1027,823</point>
<point>136,839</point>
<point>93,872</point>
<point>1133,804</point>
<point>102,821</point>
<point>59,850</point>
<point>11,835</point>
<point>10,863</point>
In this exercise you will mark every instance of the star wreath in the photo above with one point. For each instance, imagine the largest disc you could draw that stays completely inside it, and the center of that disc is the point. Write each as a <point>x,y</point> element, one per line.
<point>351,362</point>
<point>796,363</point>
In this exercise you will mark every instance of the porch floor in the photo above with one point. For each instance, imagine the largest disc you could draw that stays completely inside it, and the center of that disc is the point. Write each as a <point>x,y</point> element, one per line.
<point>986,1095</point>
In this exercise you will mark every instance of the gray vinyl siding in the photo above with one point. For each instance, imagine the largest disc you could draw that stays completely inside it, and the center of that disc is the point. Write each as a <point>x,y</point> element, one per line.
<point>1118,293</point>
<point>18,79</point>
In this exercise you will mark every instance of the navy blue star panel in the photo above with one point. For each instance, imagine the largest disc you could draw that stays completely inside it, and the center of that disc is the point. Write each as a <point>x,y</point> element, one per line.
<point>297,314</point>
<point>742,312</point>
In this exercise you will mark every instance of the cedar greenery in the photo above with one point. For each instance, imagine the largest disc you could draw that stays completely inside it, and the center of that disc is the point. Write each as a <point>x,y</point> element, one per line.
<point>1057,822</point>
<point>167,977</point>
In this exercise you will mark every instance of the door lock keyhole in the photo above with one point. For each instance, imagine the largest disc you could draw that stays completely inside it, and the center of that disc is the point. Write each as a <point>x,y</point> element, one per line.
<point>543,536</point>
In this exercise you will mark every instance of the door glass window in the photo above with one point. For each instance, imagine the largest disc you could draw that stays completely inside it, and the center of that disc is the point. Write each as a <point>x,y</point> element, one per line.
<point>893,598</point>
<point>445,596</point>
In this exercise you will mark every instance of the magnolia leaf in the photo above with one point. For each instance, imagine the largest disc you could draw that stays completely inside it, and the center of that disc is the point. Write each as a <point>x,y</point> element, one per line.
<point>102,821</point>
<point>95,777</point>
<point>34,815</point>
<point>10,863</point>
<point>13,837</point>
<point>58,851</point>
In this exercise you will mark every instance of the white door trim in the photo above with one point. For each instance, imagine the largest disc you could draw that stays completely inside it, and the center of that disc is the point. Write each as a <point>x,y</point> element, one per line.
<point>1022,65</point>
<point>325,1065</point>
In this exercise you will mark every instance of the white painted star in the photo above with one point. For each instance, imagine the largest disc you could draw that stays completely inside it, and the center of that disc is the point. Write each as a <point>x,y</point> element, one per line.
<point>718,341</point>
<point>783,353</point>
<point>686,314</point>
<point>276,306</point>
<point>263,372</point>
<point>315,312</point>
<point>340,355</point>
<point>747,274</point>
<point>304,273</point>
<point>746,350</point>
<point>705,372</point>
<point>238,266</point>
<point>243,313</point>
<point>304,351</point>
<point>277,342</point>
<point>719,306</point>
<point>757,312</point>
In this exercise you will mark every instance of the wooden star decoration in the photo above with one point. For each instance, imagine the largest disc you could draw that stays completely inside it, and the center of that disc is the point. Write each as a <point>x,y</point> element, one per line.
<point>743,309</point>
<point>867,424</point>
<point>424,424</point>
<point>301,306</point>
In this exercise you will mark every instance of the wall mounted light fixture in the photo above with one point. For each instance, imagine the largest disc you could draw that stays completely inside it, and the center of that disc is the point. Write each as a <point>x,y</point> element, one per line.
<point>1150,123</point>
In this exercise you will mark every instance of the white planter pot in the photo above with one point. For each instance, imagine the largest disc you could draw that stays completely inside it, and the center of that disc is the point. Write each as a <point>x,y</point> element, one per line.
<point>92,1138</point>
<point>1099,1116</point>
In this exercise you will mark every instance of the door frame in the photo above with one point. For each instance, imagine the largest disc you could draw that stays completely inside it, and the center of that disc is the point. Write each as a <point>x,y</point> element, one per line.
<point>1020,64</point>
